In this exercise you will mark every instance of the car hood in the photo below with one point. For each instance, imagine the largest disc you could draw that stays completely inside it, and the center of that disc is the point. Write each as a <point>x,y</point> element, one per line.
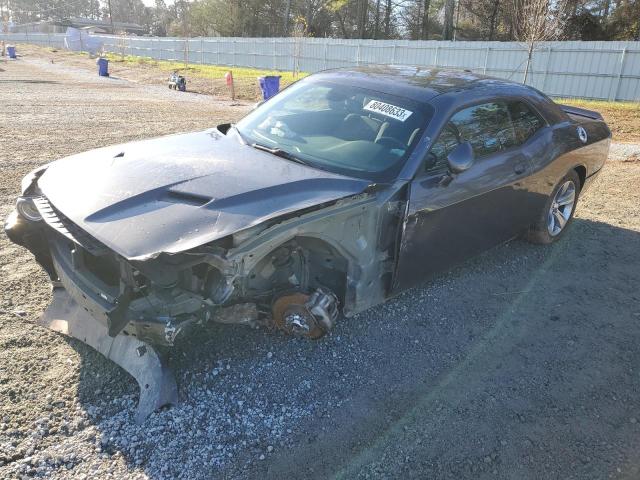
<point>174,193</point>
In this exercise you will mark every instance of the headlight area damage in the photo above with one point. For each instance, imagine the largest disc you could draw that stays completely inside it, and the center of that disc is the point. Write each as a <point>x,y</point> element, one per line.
<point>292,272</point>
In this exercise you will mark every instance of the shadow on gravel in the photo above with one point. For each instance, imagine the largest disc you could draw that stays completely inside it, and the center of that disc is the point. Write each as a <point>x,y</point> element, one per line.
<point>515,363</point>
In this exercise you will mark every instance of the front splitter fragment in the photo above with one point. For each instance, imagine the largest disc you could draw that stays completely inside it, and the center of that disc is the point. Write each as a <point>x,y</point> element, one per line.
<point>141,360</point>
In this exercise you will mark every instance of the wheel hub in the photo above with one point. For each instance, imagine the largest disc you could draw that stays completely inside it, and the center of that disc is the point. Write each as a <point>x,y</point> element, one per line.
<point>306,315</point>
<point>299,321</point>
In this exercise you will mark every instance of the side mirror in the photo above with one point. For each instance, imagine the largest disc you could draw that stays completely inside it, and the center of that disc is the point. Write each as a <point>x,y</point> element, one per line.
<point>460,158</point>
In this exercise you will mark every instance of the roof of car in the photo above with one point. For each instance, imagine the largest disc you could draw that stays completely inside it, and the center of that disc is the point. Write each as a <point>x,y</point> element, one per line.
<point>418,83</point>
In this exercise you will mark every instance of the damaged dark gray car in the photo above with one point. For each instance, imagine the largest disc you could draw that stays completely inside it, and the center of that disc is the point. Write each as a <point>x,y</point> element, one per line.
<point>341,191</point>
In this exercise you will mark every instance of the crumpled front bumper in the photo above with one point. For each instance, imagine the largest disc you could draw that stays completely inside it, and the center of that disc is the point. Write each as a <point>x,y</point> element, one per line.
<point>31,236</point>
<point>79,310</point>
<point>103,283</point>
<point>62,262</point>
<point>108,306</point>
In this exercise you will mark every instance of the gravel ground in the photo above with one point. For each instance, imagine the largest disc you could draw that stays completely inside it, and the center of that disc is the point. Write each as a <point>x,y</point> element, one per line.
<point>625,152</point>
<point>522,363</point>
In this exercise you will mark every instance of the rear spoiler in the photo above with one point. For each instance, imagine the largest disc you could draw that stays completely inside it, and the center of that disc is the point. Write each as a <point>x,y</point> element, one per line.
<point>580,112</point>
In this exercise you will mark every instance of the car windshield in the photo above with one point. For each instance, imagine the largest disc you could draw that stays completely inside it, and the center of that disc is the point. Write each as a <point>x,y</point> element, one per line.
<point>340,128</point>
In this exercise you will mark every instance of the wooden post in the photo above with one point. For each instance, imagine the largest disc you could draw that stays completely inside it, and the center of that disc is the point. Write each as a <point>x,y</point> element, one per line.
<point>546,69</point>
<point>186,52</point>
<point>326,51</point>
<point>486,61</point>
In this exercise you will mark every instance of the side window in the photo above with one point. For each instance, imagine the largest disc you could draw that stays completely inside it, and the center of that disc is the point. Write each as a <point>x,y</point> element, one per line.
<point>525,121</point>
<point>487,127</point>
<point>447,141</point>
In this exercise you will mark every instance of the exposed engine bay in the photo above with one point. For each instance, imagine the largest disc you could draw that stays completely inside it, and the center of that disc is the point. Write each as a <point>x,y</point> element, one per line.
<point>294,274</point>
<point>287,276</point>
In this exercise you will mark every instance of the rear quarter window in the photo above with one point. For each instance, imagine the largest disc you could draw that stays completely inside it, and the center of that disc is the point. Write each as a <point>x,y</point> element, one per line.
<point>525,121</point>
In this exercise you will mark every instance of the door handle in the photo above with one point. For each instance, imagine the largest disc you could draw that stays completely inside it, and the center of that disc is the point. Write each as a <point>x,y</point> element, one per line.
<point>520,168</point>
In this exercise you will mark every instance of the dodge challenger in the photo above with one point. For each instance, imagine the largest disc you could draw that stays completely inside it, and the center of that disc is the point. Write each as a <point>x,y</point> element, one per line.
<point>341,191</point>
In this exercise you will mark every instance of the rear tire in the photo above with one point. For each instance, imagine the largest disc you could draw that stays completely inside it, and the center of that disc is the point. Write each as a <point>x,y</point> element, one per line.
<point>557,212</point>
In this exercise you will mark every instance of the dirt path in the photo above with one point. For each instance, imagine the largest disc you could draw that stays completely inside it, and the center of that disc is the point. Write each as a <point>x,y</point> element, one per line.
<point>523,363</point>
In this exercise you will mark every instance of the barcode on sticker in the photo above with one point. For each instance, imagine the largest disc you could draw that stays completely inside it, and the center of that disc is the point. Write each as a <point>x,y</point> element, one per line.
<point>388,110</point>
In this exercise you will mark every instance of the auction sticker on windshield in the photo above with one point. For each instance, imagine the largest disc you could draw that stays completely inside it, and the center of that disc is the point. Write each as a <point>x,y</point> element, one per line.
<point>388,110</point>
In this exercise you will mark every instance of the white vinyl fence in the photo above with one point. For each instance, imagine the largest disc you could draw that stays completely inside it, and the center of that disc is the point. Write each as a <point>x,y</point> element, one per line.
<point>598,70</point>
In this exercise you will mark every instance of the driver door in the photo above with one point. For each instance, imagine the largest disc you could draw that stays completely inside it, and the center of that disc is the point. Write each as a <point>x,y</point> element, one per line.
<point>453,217</point>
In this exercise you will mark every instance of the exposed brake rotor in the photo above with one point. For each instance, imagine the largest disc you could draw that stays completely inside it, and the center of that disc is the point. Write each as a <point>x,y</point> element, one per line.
<point>306,315</point>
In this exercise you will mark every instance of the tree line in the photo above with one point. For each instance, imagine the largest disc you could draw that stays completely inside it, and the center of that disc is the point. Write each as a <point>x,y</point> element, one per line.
<point>365,19</point>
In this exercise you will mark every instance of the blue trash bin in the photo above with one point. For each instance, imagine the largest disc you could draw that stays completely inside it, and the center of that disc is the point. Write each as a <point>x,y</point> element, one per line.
<point>103,67</point>
<point>270,85</point>
<point>11,51</point>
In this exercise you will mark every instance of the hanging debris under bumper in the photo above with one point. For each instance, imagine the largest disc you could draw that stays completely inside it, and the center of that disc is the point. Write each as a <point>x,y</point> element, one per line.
<point>141,360</point>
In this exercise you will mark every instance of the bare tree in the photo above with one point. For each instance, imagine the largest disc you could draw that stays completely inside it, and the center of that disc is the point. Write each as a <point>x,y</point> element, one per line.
<point>447,27</point>
<point>363,12</point>
<point>376,25</point>
<point>535,21</point>
<point>387,19</point>
<point>287,13</point>
<point>300,28</point>
<point>484,15</point>
<point>494,17</point>
<point>424,30</point>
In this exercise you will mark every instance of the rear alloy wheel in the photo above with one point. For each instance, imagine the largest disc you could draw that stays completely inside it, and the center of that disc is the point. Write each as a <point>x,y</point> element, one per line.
<point>561,208</point>
<point>558,211</point>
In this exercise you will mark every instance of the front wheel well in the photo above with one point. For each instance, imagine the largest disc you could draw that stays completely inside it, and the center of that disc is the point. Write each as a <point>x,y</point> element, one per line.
<point>302,263</point>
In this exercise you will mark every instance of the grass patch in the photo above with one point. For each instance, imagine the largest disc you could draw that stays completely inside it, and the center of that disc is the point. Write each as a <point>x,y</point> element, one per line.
<point>600,104</point>
<point>623,118</point>
<point>205,71</point>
